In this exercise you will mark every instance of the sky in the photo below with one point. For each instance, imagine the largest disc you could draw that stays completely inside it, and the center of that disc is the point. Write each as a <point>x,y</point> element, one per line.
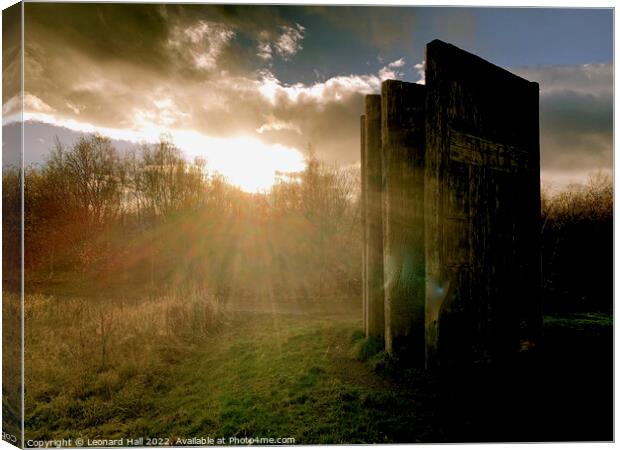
<point>251,88</point>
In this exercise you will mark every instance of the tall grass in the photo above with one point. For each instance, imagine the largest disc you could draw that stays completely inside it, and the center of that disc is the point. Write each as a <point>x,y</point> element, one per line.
<point>11,364</point>
<point>90,362</point>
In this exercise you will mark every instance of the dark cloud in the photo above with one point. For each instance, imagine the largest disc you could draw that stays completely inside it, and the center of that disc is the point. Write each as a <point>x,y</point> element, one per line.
<point>11,56</point>
<point>186,67</point>
<point>204,68</point>
<point>577,113</point>
<point>576,131</point>
<point>332,129</point>
<point>11,68</point>
<point>105,60</point>
<point>382,26</point>
<point>576,116</point>
<point>104,31</point>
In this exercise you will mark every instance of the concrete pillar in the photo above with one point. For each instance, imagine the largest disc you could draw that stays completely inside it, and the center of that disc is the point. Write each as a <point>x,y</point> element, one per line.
<point>373,217</point>
<point>402,131</point>
<point>364,233</point>
<point>482,196</point>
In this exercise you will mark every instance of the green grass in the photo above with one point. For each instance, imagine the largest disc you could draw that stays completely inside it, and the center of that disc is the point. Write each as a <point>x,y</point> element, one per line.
<point>92,367</point>
<point>272,376</point>
<point>591,321</point>
<point>259,375</point>
<point>317,380</point>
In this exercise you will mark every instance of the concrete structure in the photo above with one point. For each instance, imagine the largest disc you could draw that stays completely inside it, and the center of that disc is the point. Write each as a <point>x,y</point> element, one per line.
<point>460,192</point>
<point>374,223</point>
<point>402,135</point>
<point>482,195</point>
<point>363,222</point>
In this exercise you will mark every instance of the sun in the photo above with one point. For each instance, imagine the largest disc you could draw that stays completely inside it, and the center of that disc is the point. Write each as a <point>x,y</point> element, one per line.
<point>246,162</point>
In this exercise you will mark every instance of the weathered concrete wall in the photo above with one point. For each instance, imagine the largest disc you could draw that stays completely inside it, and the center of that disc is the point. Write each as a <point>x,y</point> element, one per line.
<point>402,130</point>
<point>363,200</point>
<point>482,196</point>
<point>374,223</point>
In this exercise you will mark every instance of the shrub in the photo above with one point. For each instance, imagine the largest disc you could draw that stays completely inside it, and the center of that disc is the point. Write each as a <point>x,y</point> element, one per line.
<point>577,246</point>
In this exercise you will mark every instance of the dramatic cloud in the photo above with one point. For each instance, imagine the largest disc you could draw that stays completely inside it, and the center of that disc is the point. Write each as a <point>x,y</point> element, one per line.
<point>11,63</point>
<point>264,47</point>
<point>593,79</point>
<point>219,72</point>
<point>576,119</point>
<point>420,70</point>
<point>273,124</point>
<point>122,95</point>
<point>391,70</point>
<point>286,45</point>
<point>202,42</point>
<point>289,42</point>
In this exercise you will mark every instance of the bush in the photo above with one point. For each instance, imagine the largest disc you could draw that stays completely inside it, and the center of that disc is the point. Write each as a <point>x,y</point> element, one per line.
<point>577,246</point>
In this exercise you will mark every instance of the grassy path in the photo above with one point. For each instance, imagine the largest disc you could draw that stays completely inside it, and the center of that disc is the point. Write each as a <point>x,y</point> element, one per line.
<point>285,376</point>
<point>288,376</point>
<point>282,376</point>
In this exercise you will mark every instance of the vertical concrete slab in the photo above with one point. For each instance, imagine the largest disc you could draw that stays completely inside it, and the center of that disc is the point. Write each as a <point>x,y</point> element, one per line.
<point>482,195</point>
<point>373,217</point>
<point>364,222</point>
<point>402,131</point>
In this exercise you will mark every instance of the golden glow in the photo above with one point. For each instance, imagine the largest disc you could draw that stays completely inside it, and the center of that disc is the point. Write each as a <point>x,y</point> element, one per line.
<point>245,161</point>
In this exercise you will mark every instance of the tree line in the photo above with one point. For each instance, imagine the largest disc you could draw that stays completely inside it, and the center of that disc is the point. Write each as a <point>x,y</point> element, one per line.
<point>577,246</point>
<point>149,217</point>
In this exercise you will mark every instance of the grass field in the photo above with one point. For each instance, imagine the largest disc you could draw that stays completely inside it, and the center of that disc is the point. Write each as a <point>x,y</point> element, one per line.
<point>130,373</point>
